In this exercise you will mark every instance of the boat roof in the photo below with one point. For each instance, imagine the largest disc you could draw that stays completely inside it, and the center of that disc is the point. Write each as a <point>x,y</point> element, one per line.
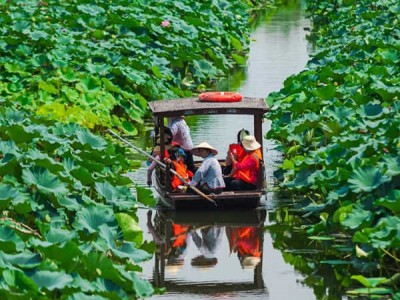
<point>193,106</point>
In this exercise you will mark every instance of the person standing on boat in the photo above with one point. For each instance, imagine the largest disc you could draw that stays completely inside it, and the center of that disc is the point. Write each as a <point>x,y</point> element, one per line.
<point>208,177</point>
<point>245,172</point>
<point>181,135</point>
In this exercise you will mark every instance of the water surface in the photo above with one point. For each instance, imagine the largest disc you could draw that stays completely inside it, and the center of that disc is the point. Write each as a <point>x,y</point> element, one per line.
<point>197,270</point>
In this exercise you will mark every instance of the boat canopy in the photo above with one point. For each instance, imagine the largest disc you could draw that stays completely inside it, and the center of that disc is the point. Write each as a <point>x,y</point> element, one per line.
<point>193,106</point>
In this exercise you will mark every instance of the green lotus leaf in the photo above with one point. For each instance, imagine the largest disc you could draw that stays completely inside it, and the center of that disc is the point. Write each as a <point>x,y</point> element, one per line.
<point>45,181</point>
<point>7,192</point>
<point>366,179</point>
<point>9,147</point>
<point>48,87</point>
<point>357,218</point>
<point>371,110</point>
<point>92,10</point>
<point>9,241</point>
<point>18,279</point>
<point>24,260</point>
<point>369,282</point>
<point>335,262</point>
<point>83,175</point>
<point>145,196</point>
<point>69,203</point>
<point>82,296</point>
<point>326,92</point>
<point>36,35</point>
<point>393,165</point>
<point>370,291</point>
<point>389,56</point>
<point>301,180</point>
<point>58,235</point>
<point>119,196</point>
<point>92,217</point>
<point>391,201</point>
<point>51,280</point>
<point>143,288</point>
<point>86,137</point>
<point>44,160</point>
<point>241,60</point>
<point>126,250</point>
<point>19,134</point>
<point>95,263</point>
<point>130,228</point>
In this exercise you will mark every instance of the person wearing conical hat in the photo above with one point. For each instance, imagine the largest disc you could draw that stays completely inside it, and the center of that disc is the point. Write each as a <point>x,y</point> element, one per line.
<point>246,171</point>
<point>208,177</point>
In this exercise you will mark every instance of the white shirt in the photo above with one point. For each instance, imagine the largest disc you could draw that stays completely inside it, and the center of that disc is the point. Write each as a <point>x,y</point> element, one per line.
<point>181,134</point>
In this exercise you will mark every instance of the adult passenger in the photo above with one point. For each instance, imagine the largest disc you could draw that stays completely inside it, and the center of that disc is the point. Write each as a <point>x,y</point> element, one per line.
<point>237,150</point>
<point>246,172</point>
<point>181,135</point>
<point>208,177</point>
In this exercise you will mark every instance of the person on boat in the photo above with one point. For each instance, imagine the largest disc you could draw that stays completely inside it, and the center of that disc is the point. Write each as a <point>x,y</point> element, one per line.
<point>181,135</point>
<point>156,154</point>
<point>177,157</point>
<point>237,150</point>
<point>208,177</point>
<point>245,173</point>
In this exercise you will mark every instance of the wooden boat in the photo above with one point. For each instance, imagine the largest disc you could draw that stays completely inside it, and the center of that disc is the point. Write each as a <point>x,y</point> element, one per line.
<point>161,110</point>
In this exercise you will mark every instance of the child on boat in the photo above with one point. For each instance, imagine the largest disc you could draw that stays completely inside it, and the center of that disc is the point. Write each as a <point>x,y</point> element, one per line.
<point>176,158</point>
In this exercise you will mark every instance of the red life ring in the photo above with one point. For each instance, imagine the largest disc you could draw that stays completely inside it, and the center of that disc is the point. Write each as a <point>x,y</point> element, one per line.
<point>220,97</point>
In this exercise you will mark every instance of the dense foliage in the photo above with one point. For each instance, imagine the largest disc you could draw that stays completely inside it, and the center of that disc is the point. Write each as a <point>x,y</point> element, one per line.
<point>338,121</point>
<point>68,226</point>
<point>97,62</point>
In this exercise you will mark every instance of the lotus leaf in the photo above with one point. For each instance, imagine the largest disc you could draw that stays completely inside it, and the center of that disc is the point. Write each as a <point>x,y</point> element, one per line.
<point>86,137</point>
<point>45,181</point>
<point>9,241</point>
<point>26,260</point>
<point>17,279</point>
<point>50,280</point>
<point>366,179</point>
<point>130,228</point>
<point>369,282</point>
<point>357,218</point>
<point>92,217</point>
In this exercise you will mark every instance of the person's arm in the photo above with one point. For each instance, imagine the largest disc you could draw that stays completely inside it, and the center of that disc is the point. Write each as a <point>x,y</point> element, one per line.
<point>199,175</point>
<point>150,170</point>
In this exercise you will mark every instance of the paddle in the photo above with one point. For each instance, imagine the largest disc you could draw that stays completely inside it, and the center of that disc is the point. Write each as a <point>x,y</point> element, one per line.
<point>196,190</point>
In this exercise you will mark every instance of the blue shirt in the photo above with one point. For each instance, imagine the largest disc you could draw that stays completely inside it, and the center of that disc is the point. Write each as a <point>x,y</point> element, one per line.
<point>209,172</point>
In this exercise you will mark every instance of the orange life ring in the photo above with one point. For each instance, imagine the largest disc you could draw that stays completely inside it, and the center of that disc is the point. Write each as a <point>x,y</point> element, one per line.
<point>220,97</point>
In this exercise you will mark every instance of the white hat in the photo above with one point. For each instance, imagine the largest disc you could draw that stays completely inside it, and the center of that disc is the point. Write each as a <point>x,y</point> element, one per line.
<point>250,262</point>
<point>249,143</point>
<point>204,145</point>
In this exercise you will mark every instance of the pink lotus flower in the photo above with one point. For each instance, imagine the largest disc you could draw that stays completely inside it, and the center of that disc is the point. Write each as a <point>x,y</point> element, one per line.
<point>165,23</point>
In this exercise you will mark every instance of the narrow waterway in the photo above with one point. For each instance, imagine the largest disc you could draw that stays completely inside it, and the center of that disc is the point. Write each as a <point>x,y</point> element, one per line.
<point>203,261</point>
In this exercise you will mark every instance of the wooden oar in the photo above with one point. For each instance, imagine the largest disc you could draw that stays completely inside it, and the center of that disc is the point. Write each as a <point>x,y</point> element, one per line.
<point>196,190</point>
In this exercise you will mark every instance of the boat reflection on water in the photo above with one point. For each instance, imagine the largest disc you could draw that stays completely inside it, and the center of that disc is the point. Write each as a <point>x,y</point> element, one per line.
<point>208,252</point>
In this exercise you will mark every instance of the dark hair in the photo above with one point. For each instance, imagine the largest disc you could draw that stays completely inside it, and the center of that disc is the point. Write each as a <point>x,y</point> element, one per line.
<point>240,133</point>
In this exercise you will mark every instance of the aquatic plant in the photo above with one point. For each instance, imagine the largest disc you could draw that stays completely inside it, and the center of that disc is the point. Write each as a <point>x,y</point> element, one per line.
<point>338,121</point>
<point>96,63</point>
